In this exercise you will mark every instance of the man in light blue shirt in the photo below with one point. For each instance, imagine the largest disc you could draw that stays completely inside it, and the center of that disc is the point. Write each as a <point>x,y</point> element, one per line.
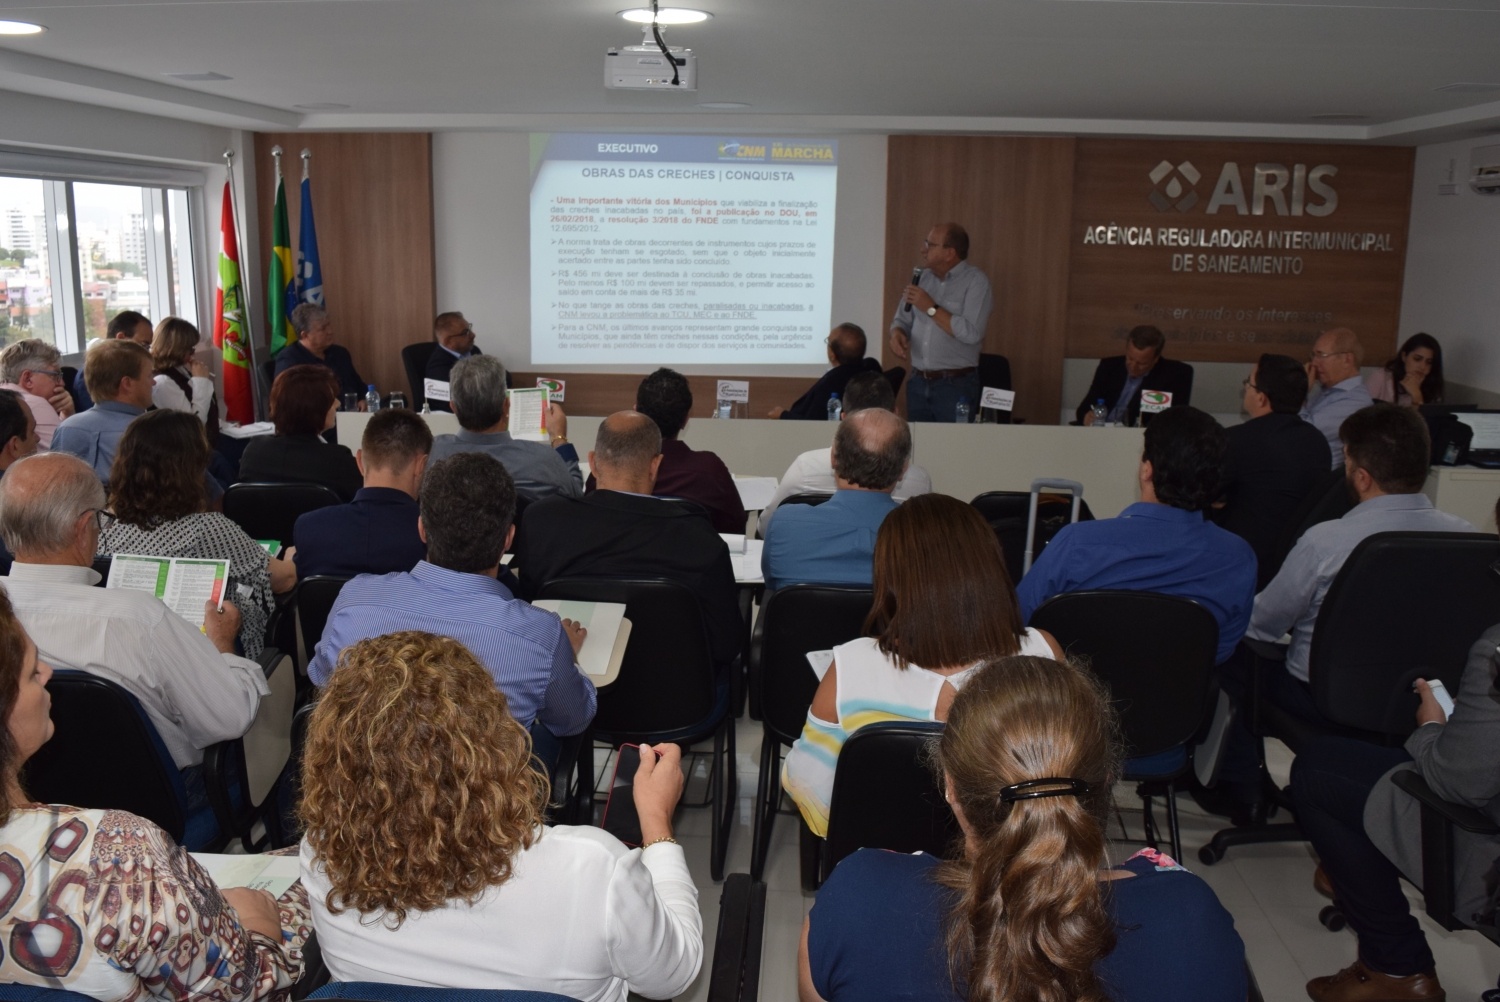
<point>1335,366</point>
<point>119,377</point>
<point>834,543</point>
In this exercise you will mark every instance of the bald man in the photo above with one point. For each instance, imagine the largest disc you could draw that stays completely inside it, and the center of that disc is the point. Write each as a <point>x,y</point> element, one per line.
<point>834,542</point>
<point>620,530</point>
<point>1334,366</point>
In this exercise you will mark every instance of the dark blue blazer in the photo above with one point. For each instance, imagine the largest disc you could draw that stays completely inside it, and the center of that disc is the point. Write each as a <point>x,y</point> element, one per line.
<point>813,405</point>
<point>337,358</point>
<point>374,534</point>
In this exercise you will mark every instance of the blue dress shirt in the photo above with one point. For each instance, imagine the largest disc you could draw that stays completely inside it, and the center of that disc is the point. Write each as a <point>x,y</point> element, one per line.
<point>830,543</point>
<point>94,435</point>
<point>523,647</point>
<point>1326,412</point>
<point>1151,547</point>
<point>374,534</point>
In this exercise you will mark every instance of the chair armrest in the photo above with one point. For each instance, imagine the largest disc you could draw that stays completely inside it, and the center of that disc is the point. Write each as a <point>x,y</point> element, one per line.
<point>269,659</point>
<point>1458,815</point>
<point>1266,650</point>
<point>736,965</point>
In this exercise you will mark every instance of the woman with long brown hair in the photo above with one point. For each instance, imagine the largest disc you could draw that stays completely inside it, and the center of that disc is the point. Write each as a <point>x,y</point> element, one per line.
<point>943,602</point>
<point>184,382</point>
<point>426,859</point>
<point>1029,909</point>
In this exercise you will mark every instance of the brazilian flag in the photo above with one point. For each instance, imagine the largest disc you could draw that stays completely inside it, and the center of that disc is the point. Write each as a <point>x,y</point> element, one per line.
<point>281,296</point>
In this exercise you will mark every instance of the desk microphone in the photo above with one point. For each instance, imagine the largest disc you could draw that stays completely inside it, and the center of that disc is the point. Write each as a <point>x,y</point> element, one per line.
<point>916,276</point>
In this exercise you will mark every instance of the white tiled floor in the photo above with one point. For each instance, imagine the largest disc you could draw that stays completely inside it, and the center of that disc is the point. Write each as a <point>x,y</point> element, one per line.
<point>1268,890</point>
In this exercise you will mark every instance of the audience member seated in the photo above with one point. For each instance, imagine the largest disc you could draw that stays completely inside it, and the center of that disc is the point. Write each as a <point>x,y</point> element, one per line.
<point>156,493</point>
<point>834,543</point>
<point>665,397</point>
<point>619,530</point>
<point>455,340</point>
<point>943,603</point>
<point>477,389</point>
<point>426,859</point>
<point>377,532</point>
<point>17,441</point>
<point>102,903</point>
<point>812,472</point>
<point>1162,543</point>
<point>1367,831</point>
<point>314,346</point>
<point>304,404</point>
<point>846,353</point>
<point>121,371</point>
<point>127,325</point>
<point>468,504</point>
<point>1120,379</point>
<point>193,686</point>
<point>184,382</point>
<point>1336,357</point>
<point>1275,460</point>
<point>1414,377</point>
<point>33,368</point>
<point>1385,450</point>
<point>1032,910</point>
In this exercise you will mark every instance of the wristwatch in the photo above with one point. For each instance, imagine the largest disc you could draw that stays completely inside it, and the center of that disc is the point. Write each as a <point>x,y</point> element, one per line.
<point>932,311</point>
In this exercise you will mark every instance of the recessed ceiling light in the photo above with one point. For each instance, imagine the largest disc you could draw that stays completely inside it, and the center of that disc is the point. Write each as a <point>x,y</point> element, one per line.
<point>666,15</point>
<point>321,106</point>
<point>20,28</point>
<point>204,77</point>
<point>1338,116</point>
<point>723,105</point>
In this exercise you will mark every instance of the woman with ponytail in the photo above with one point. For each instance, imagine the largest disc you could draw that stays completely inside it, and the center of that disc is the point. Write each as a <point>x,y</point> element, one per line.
<point>1029,910</point>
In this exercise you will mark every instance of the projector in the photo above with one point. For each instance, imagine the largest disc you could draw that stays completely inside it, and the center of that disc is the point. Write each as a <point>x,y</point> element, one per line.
<point>644,67</point>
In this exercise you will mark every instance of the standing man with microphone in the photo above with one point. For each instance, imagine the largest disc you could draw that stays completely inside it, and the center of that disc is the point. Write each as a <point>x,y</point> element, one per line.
<point>940,326</point>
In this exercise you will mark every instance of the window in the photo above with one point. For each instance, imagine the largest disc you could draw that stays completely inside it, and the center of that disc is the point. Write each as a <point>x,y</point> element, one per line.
<point>74,254</point>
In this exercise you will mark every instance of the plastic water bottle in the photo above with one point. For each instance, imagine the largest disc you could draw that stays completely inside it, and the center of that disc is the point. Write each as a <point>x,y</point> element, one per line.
<point>372,399</point>
<point>962,410</point>
<point>726,409</point>
<point>426,408</point>
<point>1101,413</point>
<point>835,407</point>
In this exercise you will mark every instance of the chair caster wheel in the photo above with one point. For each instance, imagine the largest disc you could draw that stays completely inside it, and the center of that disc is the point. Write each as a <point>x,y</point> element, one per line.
<point>1332,918</point>
<point>1210,854</point>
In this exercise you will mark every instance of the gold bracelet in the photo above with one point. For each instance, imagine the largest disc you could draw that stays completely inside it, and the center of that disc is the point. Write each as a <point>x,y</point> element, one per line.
<point>664,838</point>
<point>559,440</point>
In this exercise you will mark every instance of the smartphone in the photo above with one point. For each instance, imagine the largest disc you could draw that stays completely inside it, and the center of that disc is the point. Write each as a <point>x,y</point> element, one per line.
<point>1440,693</point>
<point>620,818</point>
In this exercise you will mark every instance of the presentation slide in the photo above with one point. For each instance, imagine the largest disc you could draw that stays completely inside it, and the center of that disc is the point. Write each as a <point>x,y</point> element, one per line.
<point>673,250</point>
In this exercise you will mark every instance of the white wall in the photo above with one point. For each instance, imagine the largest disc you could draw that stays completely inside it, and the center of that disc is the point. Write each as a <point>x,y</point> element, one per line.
<point>481,196</point>
<point>1452,288</point>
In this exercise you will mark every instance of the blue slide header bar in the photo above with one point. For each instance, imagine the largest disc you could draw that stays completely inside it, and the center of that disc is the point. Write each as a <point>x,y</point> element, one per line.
<point>690,149</point>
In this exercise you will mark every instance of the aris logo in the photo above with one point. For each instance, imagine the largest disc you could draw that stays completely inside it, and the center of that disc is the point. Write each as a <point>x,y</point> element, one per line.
<point>1290,191</point>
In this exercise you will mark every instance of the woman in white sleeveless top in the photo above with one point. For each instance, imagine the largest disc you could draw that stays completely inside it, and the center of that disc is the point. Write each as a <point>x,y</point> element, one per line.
<point>943,603</point>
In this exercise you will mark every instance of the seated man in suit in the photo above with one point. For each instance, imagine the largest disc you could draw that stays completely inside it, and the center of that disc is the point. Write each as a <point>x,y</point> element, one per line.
<point>666,398</point>
<point>468,504</point>
<point>1275,460</point>
<point>455,340</point>
<point>619,530</point>
<point>314,346</point>
<point>834,542</point>
<point>1334,367</point>
<point>120,379</point>
<point>483,412</point>
<point>812,472</point>
<point>190,682</point>
<point>1120,379</point>
<point>1162,543</point>
<point>377,532</point>
<point>846,353</point>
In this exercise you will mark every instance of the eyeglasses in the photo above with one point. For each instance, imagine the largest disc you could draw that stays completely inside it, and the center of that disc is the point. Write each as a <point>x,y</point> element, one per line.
<point>1246,382</point>
<point>1330,354</point>
<point>103,517</point>
<point>51,373</point>
<point>929,245</point>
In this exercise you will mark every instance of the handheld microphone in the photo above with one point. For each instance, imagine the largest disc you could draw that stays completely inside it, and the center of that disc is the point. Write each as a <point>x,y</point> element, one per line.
<point>916,276</point>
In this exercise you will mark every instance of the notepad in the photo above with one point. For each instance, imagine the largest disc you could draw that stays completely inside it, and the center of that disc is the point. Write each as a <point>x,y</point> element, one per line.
<point>608,632</point>
<point>273,874</point>
<point>183,584</point>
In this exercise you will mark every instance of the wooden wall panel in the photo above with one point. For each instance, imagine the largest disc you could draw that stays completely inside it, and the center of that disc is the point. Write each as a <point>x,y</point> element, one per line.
<point>1130,275</point>
<point>372,196</point>
<point>1014,196</point>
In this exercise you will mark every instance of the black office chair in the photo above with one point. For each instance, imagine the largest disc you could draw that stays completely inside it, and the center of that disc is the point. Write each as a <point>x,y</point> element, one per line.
<point>257,763</point>
<point>994,372</point>
<point>735,974</point>
<point>1007,512</point>
<point>315,598</point>
<point>669,688</point>
<point>895,376</point>
<point>1328,500</point>
<point>885,796</point>
<point>1441,819</point>
<point>812,498</point>
<point>268,511</point>
<point>793,621</point>
<point>414,360</point>
<point>1405,605</point>
<point>267,370</point>
<point>69,376</point>
<point>1156,653</point>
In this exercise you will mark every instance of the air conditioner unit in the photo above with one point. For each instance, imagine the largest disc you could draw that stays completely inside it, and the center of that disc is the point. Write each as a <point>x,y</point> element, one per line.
<point>645,67</point>
<point>1484,170</point>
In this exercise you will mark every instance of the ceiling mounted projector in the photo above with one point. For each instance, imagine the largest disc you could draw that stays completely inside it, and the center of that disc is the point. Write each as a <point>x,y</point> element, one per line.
<point>652,65</point>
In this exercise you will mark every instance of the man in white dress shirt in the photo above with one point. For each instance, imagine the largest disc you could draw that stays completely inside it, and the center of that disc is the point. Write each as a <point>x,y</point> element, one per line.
<point>192,685</point>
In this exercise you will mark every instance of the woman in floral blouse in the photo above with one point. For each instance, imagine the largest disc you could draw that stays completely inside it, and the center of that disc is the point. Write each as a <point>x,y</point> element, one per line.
<point>102,902</point>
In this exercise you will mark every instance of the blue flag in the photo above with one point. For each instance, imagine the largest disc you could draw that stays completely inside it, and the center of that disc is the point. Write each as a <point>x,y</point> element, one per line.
<point>309,270</point>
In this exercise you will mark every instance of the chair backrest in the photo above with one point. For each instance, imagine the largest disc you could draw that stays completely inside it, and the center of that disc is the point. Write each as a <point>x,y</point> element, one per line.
<point>1155,652</point>
<point>667,679</point>
<point>1329,499</point>
<point>1405,605</point>
<point>795,620</point>
<point>268,511</point>
<point>37,993</point>
<point>886,796</point>
<point>374,992</point>
<point>90,713</point>
<point>812,498</point>
<point>315,598</point>
<point>414,359</point>
<point>895,375</point>
<point>1007,512</point>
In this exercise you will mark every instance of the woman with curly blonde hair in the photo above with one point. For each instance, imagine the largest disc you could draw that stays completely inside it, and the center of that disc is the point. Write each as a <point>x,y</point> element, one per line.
<point>426,859</point>
<point>1029,909</point>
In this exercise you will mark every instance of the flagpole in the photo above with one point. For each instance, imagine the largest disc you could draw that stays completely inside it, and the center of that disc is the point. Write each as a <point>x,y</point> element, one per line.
<point>245,311</point>
<point>306,163</point>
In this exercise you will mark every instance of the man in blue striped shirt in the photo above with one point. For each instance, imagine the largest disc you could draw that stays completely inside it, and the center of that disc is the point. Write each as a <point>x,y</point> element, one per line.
<point>468,505</point>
